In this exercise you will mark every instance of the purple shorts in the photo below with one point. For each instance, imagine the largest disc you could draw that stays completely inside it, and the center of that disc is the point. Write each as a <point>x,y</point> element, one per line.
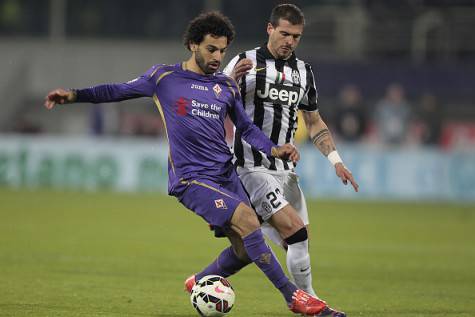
<point>214,202</point>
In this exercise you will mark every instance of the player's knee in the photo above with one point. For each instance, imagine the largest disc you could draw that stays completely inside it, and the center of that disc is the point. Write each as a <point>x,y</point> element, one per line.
<point>286,227</point>
<point>250,219</point>
<point>245,220</point>
<point>299,236</point>
<point>286,221</point>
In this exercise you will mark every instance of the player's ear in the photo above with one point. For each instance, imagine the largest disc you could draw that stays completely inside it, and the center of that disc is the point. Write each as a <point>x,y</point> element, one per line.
<point>270,28</point>
<point>193,47</point>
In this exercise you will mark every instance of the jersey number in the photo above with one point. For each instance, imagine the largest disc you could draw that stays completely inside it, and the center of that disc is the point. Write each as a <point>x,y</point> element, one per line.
<point>272,197</point>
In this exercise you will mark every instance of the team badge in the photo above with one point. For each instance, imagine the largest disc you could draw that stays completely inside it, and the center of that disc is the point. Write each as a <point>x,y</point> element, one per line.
<point>220,204</point>
<point>296,77</point>
<point>266,206</point>
<point>217,90</point>
<point>265,258</point>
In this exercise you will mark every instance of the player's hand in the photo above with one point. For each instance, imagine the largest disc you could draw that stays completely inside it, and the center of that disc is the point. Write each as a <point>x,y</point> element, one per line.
<point>345,175</point>
<point>241,69</point>
<point>286,152</point>
<point>60,96</point>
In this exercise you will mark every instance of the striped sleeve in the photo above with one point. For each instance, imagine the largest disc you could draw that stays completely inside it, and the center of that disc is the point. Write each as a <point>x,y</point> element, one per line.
<point>229,68</point>
<point>309,101</point>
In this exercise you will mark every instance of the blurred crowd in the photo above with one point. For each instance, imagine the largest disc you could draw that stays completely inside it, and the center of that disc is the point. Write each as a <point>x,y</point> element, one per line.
<point>390,120</point>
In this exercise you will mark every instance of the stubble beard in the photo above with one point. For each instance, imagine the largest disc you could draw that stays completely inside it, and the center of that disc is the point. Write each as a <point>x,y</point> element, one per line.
<point>200,61</point>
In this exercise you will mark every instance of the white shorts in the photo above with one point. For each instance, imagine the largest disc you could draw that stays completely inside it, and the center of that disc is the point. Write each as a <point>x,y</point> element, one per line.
<point>270,191</point>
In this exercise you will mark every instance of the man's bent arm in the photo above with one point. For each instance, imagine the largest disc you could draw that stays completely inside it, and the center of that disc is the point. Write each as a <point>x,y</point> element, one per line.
<point>318,131</point>
<point>322,139</point>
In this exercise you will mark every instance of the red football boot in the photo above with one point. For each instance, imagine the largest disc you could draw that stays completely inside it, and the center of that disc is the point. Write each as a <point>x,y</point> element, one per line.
<point>189,283</point>
<point>306,304</point>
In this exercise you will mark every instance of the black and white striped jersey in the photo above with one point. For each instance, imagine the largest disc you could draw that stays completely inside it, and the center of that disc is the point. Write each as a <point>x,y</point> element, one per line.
<point>272,92</point>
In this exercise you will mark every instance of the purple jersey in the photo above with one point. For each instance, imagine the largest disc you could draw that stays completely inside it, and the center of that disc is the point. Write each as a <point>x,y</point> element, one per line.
<point>193,108</point>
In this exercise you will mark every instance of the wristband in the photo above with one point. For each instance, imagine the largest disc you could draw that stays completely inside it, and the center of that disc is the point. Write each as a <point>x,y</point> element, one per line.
<point>334,158</point>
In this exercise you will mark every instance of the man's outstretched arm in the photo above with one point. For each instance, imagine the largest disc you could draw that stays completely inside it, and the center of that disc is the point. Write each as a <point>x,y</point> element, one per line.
<point>142,86</point>
<point>322,139</point>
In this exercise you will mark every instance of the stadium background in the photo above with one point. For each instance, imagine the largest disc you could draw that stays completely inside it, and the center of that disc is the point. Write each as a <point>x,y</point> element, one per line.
<point>83,186</point>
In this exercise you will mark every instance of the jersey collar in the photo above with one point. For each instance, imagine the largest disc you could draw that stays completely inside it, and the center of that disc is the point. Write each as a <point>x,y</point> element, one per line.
<point>264,51</point>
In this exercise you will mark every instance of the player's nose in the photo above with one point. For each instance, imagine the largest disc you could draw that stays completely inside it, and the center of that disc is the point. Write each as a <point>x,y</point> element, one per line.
<point>218,56</point>
<point>289,41</point>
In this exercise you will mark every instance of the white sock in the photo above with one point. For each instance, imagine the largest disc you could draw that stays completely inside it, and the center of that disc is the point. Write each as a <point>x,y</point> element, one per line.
<point>298,264</point>
<point>297,259</point>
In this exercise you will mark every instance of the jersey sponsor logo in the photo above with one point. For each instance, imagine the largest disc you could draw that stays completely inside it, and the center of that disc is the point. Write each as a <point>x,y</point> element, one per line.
<point>284,95</point>
<point>217,90</point>
<point>182,106</point>
<point>205,110</point>
<point>199,87</point>
<point>220,204</point>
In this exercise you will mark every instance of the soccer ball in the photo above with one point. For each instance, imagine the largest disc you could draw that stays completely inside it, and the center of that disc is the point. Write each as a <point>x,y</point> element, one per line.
<point>212,296</point>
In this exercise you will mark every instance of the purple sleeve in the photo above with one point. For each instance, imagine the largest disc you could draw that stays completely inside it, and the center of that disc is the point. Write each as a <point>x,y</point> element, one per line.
<point>142,86</point>
<point>249,131</point>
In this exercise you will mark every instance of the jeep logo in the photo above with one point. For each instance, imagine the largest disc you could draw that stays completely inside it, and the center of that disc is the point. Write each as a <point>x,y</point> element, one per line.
<point>284,95</point>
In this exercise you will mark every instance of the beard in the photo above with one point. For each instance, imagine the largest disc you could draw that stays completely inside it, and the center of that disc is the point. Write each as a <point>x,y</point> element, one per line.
<point>205,67</point>
<point>284,53</point>
<point>279,50</point>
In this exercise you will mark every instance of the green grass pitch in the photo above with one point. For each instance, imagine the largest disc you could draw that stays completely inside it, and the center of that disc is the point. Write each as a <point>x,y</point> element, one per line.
<point>106,254</point>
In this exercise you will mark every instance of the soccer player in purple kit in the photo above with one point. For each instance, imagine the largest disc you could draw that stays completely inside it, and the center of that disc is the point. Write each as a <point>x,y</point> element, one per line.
<point>194,99</point>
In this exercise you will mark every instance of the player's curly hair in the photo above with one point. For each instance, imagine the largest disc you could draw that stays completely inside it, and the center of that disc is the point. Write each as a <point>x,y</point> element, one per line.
<point>287,11</point>
<point>214,23</point>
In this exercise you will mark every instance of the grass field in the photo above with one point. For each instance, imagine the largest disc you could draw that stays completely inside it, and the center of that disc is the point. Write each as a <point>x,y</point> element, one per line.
<point>104,254</point>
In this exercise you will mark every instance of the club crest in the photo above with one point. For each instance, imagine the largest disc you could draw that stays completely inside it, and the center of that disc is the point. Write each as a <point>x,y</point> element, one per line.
<point>296,77</point>
<point>217,90</point>
<point>220,204</point>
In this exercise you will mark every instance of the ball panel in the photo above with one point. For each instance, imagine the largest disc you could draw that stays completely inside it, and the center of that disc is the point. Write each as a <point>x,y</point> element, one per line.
<point>212,296</point>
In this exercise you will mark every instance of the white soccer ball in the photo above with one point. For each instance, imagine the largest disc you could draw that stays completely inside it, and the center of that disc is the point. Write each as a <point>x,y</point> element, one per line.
<point>212,296</point>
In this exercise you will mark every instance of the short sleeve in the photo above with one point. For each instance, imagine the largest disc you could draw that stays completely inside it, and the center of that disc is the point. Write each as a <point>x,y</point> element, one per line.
<point>309,101</point>
<point>229,68</point>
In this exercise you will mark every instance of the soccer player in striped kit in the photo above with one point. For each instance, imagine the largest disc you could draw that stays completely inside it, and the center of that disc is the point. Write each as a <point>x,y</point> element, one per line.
<point>275,85</point>
<point>194,99</point>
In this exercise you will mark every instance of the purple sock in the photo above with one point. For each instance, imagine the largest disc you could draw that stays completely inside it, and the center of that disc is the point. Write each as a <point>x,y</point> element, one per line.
<point>262,256</point>
<point>225,265</point>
